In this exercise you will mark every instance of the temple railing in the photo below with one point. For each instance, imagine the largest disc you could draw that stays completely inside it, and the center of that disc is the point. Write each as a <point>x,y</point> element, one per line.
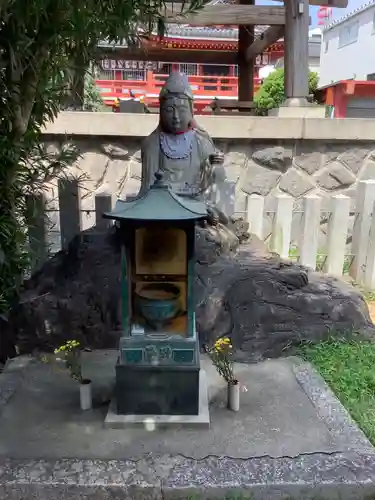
<point>205,88</point>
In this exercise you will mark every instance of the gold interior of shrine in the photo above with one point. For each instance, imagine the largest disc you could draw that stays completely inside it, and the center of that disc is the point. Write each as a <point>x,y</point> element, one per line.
<point>160,263</point>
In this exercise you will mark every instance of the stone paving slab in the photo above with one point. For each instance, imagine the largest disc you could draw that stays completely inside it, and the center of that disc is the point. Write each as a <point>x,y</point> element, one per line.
<point>291,439</point>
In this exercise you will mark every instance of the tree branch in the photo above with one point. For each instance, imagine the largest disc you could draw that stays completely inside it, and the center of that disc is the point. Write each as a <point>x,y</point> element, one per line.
<point>24,83</point>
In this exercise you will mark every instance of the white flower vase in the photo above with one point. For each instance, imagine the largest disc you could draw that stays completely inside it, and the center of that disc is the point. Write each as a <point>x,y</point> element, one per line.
<point>234,396</point>
<point>85,395</point>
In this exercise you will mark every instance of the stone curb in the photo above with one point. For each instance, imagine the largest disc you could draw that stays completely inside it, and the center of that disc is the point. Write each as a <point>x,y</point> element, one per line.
<point>347,475</point>
<point>11,378</point>
<point>316,476</point>
<point>328,407</point>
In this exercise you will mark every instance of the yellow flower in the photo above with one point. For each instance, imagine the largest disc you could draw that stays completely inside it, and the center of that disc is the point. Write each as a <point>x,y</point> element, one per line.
<point>222,344</point>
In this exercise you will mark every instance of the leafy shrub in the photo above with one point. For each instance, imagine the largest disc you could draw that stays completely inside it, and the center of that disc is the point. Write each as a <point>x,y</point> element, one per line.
<point>271,93</point>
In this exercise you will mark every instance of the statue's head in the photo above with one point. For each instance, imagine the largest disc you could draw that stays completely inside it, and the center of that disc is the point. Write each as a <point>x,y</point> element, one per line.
<point>176,104</point>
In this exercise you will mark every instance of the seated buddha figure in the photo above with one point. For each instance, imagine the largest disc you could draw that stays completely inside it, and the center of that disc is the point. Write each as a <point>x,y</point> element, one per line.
<point>178,148</point>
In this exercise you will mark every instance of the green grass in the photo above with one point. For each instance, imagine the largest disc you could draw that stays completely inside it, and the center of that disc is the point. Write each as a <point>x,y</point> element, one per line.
<point>320,259</point>
<point>349,369</point>
<point>368,295</point>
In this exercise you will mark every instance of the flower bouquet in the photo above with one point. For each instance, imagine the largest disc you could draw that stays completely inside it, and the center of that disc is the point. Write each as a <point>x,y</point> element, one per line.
<point>220,354</point>
<point>68,358</point>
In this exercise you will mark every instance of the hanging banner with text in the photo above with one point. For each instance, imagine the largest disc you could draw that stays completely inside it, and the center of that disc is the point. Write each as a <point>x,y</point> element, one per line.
<point>262,60</point>
<point>119,64</point>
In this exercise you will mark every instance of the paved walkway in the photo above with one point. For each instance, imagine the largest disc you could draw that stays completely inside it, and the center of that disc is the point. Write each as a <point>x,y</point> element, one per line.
<point>290,434</point>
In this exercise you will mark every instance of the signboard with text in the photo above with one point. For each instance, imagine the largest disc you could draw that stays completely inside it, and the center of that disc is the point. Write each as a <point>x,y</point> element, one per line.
<point>121,65</point>
<point>262,60</point>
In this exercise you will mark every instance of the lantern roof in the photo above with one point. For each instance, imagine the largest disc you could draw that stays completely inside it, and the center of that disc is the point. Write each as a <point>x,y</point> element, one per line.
<point>159,203</point>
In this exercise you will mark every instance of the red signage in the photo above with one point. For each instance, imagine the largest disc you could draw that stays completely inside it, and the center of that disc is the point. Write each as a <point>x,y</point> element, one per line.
<point>324,15</point>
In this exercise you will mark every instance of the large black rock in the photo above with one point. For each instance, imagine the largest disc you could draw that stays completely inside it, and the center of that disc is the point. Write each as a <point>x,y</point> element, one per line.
<point>266,305</point>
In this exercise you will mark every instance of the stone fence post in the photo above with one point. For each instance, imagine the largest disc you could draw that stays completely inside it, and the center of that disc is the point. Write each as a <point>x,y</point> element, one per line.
<point>369,271</point>
<point>70,210</point>
<point>36,228</point>
<point>103,203</point>
<point>282,225</point>
<point>309,236</point>
<point>255,214</point>
<point>337,233</point>
<point>365,198</point>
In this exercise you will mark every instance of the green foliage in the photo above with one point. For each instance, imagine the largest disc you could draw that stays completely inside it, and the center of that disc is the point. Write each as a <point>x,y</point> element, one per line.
<point>92,99</point>
<point>348,368</point>
<point>46,47</point>
<point>313,82</point>
<point>271,93</point>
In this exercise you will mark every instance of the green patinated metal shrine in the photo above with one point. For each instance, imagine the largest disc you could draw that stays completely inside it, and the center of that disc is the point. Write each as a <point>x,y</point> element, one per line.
<point>158,367</point>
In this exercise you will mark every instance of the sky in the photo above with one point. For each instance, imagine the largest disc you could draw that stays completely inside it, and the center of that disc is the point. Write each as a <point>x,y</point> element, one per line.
<point>336,14</point>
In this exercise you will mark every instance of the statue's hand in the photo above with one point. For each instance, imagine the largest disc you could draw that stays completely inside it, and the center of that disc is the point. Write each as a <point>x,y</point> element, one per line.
<point>219,174</point>
<point>213,216</point>
<point>216,158</point>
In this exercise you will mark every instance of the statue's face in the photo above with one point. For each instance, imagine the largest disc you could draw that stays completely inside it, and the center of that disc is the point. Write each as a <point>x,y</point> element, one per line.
<point>175,114</point>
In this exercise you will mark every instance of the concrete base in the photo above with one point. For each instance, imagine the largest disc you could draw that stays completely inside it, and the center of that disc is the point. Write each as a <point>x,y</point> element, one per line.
<point>307,111</point>
<point>152,422</point>
<point>291,439</point>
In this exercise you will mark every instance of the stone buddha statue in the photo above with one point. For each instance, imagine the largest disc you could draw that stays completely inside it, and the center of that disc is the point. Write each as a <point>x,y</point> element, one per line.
<point>178,148</point>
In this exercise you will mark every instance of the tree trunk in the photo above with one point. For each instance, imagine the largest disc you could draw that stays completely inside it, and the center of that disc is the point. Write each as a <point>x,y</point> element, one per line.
<point>10,272</point>
<point>75,98</point>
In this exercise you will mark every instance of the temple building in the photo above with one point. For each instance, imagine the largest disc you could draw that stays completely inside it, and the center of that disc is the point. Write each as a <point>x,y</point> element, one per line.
<point>225,49</point>
<point>117,77</point>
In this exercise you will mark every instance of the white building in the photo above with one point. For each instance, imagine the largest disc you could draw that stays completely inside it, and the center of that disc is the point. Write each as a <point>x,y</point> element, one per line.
<point>315,41</point>
<point>348,47</point>
<point>315,47</point>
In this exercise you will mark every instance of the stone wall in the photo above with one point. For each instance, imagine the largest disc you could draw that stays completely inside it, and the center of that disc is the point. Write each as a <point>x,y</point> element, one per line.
<point>265,156</point>
<point>294,167</point>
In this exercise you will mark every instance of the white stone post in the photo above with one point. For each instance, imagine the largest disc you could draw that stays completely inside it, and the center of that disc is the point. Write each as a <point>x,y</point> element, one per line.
<point>70,210</point>
<point>103,203</point>
<point>224,195</point>
<point>282,225</point>
<point>369,272</point>
<point>309,238</point>
<point>36,227</point>
<point>255,214</point>
<point>365,198</point>
<point>337,234</point>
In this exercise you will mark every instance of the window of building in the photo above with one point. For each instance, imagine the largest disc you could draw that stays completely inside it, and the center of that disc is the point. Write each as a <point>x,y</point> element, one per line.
<point>104,74</point>
<point>348,34</point>
<point>134,74</point>
<point>371,77</point>
<point>215,70</point>
<point>163,68</point>
<point>189,69</point>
